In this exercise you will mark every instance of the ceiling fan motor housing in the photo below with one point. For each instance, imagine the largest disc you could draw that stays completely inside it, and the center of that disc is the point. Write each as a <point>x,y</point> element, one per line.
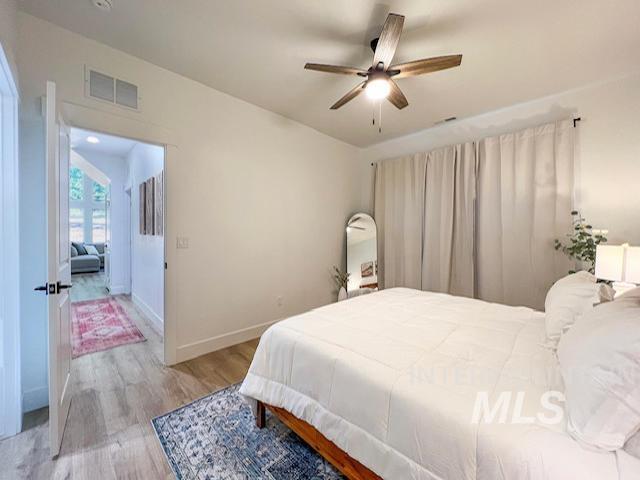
<point>379,79</point>
<point>376,75</point>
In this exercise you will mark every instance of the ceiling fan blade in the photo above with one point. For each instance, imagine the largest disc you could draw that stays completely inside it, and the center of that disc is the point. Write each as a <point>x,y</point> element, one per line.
<point>426,65</point>
<point>396,96</point>
<point>388,41</point>
<point>350,95</point>
<point>334,69</point>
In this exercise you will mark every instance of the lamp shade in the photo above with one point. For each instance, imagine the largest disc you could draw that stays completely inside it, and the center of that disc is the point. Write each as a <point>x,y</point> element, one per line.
<point>610,262</point>
<point>632,265</point>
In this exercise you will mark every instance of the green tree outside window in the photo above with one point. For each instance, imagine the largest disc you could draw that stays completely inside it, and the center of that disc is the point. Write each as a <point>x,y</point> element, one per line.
<point>76,184</point>
<point>99,192</point>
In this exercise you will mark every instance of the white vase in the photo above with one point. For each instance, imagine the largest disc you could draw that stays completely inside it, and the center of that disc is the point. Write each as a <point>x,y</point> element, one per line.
<point>342,294</point>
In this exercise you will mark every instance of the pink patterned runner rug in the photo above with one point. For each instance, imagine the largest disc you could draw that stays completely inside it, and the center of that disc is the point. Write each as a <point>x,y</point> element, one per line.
<point>100,325</point>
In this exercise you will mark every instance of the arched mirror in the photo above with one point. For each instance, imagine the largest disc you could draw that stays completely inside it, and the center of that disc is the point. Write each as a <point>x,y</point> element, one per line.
<point>362,254</point>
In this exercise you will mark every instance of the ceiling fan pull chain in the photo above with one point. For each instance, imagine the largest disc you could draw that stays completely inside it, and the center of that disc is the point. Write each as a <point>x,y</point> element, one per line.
<point>380,117</point>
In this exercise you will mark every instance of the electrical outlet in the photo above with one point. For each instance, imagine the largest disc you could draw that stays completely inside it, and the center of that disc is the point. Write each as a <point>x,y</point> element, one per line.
<point>279,300</point>
<point>183,242</point>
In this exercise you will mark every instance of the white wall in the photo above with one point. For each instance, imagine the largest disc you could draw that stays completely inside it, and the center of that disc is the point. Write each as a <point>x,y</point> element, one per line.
<point>33,271</point>
<point>117,171</point>
<point>262,199</point>
<point>147,256</point>
<point>608,147</point>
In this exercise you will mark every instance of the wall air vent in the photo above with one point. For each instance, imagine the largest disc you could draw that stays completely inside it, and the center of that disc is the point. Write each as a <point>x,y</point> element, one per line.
<point>112,90</point>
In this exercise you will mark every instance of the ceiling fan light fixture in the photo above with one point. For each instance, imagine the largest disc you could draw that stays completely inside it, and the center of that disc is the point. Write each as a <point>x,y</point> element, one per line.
<point>381,77</point>
<point>377,89</point>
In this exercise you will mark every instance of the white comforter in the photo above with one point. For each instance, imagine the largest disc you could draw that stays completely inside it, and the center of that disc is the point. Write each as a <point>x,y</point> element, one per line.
<point>392,379</point>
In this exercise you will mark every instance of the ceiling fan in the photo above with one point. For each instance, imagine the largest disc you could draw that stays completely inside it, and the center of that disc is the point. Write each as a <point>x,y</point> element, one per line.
<point>380,76</point>
<point>352,224</point>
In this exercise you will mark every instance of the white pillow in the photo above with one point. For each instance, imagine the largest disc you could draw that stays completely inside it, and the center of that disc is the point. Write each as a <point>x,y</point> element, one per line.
<point>600,365</point>
<point>91,250</point>
<point>570,297</point>
<point>632,447</point>
<point>633,293</point>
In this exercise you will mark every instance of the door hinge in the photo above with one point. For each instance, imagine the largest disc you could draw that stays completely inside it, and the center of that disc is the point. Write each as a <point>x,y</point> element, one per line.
<point>165,265</point>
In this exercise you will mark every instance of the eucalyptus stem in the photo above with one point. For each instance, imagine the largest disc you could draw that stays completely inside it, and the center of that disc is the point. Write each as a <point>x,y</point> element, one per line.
<point>341,278</point>
<point>582,242</point>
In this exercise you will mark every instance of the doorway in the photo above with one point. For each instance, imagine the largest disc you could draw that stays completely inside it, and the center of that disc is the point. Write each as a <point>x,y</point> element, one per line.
<point>116,230</point>
<point>109,362</point>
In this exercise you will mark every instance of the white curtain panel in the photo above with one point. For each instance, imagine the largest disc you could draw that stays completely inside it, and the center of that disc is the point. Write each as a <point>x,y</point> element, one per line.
<point>399,214</point>
<point>449,221</point>
<point>524,200</point>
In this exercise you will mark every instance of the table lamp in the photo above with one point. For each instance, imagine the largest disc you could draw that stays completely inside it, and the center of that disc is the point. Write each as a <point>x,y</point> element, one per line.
<point>620,264</point>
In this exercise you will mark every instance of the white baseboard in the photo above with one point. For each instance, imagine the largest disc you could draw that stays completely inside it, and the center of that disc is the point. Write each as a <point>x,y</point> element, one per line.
<point>118,290</point>
<point>35,399</point>
<point>195,349</point>
<point>156,322</point>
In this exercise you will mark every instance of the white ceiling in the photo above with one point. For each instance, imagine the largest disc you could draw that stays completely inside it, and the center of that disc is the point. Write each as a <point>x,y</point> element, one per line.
<point>357,235</point>
<point>513,51</point>
<point>110,145</point>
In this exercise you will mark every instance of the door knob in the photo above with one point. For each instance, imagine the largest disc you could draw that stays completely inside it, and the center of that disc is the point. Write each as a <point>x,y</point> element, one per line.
<point>61,286</point>
<point>48,288</point>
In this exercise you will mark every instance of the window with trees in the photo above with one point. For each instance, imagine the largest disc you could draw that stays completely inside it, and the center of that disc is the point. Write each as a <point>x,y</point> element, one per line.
<point>87,208</point>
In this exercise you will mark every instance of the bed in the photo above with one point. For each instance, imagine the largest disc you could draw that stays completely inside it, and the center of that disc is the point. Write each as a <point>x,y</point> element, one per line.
<point>390,380</point>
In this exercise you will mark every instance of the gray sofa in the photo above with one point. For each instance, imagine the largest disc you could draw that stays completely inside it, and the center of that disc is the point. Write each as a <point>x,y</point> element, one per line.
<point>83,262</point>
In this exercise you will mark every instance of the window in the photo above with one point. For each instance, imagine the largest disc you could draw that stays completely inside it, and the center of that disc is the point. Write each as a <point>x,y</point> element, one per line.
<point>99,225</point>
<point>76,224</point>
<point>87,208</point>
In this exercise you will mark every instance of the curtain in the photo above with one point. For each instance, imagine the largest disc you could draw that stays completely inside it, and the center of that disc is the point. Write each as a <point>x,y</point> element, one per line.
<point>525,185</point>
<point>449,221</point>
<point>399,212</point>
<point>478,219</point>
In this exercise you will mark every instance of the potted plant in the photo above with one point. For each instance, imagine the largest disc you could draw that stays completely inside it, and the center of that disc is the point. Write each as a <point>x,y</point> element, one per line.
<point>342,279</point>
<point>582,243</point>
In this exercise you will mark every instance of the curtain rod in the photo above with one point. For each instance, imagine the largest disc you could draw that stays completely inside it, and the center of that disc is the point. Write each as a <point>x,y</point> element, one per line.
<point>575,124</point>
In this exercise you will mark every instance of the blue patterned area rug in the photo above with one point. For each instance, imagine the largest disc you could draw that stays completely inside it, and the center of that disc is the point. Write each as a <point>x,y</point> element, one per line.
<point>216,437</point>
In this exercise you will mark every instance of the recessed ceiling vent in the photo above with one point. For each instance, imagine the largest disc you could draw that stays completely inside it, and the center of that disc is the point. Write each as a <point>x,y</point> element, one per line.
<point>109,89</point>
<point>446,120</point>
<point>104,5</point>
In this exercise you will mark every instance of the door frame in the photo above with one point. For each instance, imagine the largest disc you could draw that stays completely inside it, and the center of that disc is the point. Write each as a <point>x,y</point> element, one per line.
<point>102,121</point>
<point>10,379</point>
<point>128,285</point>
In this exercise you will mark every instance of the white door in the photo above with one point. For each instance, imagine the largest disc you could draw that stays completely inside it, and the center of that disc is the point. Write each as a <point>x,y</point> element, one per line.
<point>58,270</point>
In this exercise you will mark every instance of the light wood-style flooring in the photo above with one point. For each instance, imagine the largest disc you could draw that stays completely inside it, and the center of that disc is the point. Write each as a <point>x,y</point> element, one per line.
<point>116,394</point>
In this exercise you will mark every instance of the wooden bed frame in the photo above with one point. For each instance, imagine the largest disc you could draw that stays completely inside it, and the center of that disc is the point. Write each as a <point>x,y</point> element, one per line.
<point>349,467</point>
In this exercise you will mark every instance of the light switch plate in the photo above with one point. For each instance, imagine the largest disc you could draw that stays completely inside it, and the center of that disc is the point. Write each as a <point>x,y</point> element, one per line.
<point>183,242</point>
